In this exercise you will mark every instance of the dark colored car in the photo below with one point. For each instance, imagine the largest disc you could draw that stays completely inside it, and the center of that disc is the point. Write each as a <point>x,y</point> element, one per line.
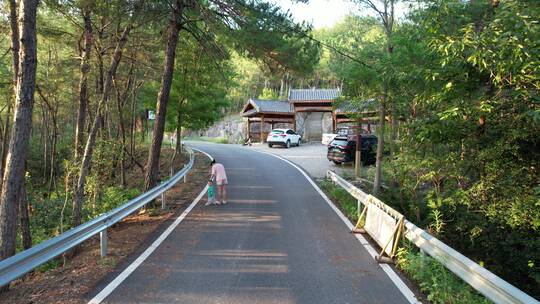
<point>349,131</point>
<point>342,149</point>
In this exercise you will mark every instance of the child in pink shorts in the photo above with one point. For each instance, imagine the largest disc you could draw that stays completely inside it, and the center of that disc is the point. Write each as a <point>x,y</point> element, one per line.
<point>220,176</point>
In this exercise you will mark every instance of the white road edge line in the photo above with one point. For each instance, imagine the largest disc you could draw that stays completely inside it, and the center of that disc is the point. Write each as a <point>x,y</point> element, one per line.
<point>405,290</point>
<point>209,156</point>
<point>131,268</point>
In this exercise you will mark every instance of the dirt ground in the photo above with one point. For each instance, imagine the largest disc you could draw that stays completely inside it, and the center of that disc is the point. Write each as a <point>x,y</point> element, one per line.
<point>71,282</point>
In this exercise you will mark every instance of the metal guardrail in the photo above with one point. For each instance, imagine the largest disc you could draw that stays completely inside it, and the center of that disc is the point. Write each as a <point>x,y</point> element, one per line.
<point>25,261</point>
<point>484,281</point>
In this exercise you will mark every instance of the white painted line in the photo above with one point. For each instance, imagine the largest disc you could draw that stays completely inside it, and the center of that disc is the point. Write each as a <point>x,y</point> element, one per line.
<point>405,290</point>
<point>131,268</point>
<point>209,156</point>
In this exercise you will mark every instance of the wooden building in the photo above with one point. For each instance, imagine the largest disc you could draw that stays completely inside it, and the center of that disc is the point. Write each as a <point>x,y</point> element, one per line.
<point>310,112</point>
<point>263,115</point>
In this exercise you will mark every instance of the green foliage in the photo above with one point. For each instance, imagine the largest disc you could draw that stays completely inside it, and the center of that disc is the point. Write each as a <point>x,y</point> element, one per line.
<point>464,80</point>
<point>109,262</point>
<point>267,34</point>
<point>55,263</point>
<point>247,81</point>
<point>268,94</point>
<point>345,201</point>
<point>437,282</point>
<point>481,148</point>
<point>363,38</point>
<point>45,213</point>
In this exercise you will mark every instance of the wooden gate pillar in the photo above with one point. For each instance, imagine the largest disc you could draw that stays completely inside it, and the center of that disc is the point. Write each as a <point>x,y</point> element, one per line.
<point>248,132</point>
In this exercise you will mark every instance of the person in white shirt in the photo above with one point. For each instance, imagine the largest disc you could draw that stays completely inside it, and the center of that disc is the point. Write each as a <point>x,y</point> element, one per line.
<point>220,176</point>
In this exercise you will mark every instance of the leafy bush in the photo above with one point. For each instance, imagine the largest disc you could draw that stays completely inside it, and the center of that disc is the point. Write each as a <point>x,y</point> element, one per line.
<point>439,284</point>
<point>46,212</point>
<point>110,198</point>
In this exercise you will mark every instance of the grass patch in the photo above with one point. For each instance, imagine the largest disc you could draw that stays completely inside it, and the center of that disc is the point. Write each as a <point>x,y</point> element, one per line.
<point>52,264</point>
<point>108,262</point>
<point>347,203</point>
<point>439,284</point>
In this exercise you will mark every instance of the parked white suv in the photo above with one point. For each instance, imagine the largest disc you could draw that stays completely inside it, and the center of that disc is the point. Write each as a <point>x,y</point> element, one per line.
<point>283,137</point>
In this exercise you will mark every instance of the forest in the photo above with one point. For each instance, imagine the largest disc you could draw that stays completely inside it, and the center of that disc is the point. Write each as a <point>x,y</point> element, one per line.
<point>455,82</point>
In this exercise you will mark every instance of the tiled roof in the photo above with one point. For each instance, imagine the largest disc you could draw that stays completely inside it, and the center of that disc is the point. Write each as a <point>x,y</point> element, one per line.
<point>313,94</point>
<point>365,106</point>
<point>269,106</point>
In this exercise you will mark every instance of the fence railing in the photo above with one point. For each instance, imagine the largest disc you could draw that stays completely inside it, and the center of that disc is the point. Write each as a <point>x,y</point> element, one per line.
<point>25,261</point>
<point>484,281</point>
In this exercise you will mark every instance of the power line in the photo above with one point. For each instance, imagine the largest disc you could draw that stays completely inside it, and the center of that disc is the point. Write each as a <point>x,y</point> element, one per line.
<point>304,34</point>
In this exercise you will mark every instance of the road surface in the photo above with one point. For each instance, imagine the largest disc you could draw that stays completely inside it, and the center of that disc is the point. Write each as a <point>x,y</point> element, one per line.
<point>309,156</point>
<point>276,241</point>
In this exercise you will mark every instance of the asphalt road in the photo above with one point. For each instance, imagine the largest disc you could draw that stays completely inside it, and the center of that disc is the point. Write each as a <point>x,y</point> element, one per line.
<point>310,156</point>
<point>276,241</point>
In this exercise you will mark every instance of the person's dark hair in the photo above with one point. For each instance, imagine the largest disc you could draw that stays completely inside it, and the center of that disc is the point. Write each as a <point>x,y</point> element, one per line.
<point>213,161</point>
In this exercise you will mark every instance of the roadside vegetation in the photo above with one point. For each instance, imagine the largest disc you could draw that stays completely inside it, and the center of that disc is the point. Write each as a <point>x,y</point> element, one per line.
<point>455,85</point>
<point>342,198</point>
<point>438,284</point>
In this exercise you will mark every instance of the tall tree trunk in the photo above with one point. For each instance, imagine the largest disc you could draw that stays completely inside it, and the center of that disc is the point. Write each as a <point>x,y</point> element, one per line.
<point>5,143</point>
<point>45,115</point>
<point>15,44</point>
<point>83,83</point>
<point>24,219</point>
<point>393,127</point>
<point>15,47</point>
<point>178,147</point>
<point>78,196</point>
<point>163,97</point>
<point>393,143</point>
<point>14,171</point>
<point>122,132</point>
<point>282,87</point>
<point>54,140</point>
<point>287,84</point>
<point>53,111</point>
<point>380,145</point>
<point>144,124</point>
<point>178,144</point>
<point>387,19</point>
<point>121,98</point>
<point>133,121</point>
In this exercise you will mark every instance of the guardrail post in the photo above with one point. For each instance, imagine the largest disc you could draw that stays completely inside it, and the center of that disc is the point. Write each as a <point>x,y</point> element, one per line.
<point>103,242</point>
<point>162,200</point>
<point>185,178</point>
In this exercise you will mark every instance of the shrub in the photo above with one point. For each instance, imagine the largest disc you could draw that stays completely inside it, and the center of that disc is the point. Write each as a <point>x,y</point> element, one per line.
<point>438,283</point>
<point>347,203</point>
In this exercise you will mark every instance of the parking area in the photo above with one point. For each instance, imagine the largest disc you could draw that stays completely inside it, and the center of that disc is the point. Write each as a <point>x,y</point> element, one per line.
<point>310,156</point>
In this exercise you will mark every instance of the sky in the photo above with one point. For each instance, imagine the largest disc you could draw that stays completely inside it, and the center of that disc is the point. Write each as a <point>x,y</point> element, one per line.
<point>323,13</point>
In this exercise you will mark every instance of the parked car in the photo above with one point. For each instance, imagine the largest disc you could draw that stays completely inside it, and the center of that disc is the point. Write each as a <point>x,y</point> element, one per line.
<point>342,149</point>
<point>340,132</point>
<point>283,137</point>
